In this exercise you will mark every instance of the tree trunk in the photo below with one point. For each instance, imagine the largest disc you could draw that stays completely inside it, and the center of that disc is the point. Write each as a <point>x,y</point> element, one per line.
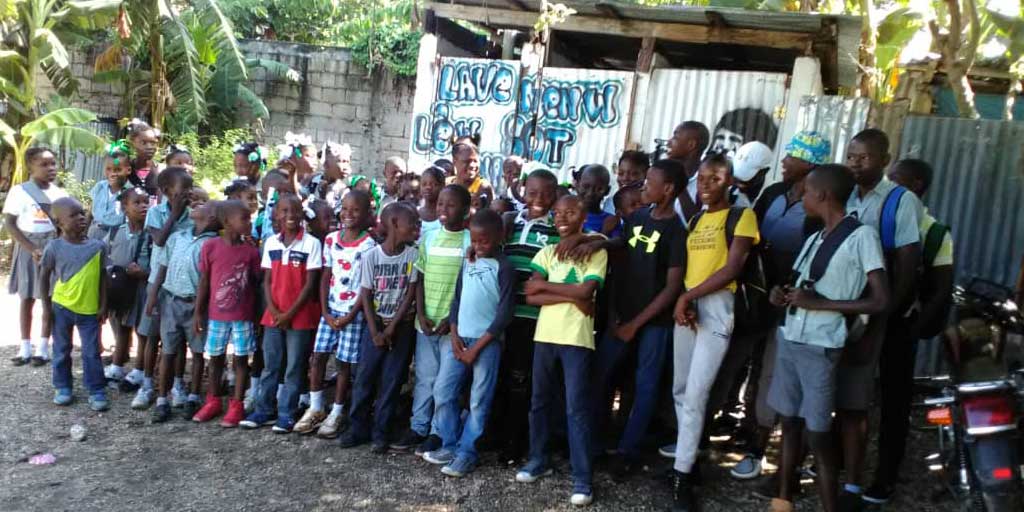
<point>956,69</point>
<point>868,78</point>
<point>157,91</point>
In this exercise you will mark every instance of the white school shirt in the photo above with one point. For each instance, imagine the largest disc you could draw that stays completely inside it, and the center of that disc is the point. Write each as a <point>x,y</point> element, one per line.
<point>31,218</point>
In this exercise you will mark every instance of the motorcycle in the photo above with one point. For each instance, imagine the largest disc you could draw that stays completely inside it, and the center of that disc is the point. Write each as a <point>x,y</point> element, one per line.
<point>977,415</point>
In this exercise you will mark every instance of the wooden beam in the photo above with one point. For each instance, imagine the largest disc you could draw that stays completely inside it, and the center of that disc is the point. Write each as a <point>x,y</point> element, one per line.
<point>677,32</point>
<point>646,56</point>
<point>609,10</point>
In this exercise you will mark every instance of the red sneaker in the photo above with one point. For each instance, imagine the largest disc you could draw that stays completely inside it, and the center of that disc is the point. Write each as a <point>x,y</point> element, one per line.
<point>210,410</point>
<point>235,414</point>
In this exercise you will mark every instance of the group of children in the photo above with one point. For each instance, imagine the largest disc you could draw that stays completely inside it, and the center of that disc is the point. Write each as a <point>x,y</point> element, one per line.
<point>528,305</point>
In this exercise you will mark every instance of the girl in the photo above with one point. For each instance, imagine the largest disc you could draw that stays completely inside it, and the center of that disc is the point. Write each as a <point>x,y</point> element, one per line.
<point>431,184</point>
<point>244,191</point>
<point>332,183</point>
<point>130,247</point>
<point>144,140</point>
<point>27,219</point>
<point>704,312</point>
<point>298,159</point>
<point>107,214</point>
<point>179,156</point>
<point>250,161</point>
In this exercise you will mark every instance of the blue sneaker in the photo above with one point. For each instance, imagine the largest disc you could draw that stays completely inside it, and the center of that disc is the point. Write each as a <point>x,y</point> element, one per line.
<point>63,397</point>
<point>441,456</point>
<point>284,425</point>
<point>98,402</point>
<point>258,419</point>
<point>532,471</point>
<point>459,467</point>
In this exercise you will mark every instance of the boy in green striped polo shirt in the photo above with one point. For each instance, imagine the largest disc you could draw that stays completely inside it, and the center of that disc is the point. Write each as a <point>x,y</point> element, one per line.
<point>527,232</point>
<point>438,264</point>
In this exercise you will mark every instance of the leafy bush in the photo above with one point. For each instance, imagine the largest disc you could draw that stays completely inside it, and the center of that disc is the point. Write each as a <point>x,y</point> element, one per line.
<point>78,189</point>
<point>213,157</point>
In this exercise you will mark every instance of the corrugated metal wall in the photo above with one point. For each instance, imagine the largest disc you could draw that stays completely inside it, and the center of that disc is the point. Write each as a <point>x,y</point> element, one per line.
<point>88,166</point>
<point>836,117</point>
<point>978,189</point>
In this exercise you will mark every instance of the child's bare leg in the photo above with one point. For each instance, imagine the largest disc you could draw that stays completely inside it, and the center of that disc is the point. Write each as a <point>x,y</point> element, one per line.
<point>317,371</point>
<point>152,353</point>
<point>47,323</point>
<point>198,366</point>
<point>241,376</point>
<point>140,354</point>
<point>122,344</point>
<point>166,374</point>
<point>216,374</point>
<point>25,318</point>
<point>179,364</point>
<point>341,388</point>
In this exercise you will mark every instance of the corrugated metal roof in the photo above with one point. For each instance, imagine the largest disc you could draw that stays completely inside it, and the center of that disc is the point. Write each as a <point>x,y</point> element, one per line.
<point>978,189</point>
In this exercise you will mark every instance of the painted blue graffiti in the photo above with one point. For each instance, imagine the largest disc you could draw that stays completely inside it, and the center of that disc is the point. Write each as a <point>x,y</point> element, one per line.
<point>476,83</point>
<point>552,140</point>
<point>435,136</point>
<point>590,102</point>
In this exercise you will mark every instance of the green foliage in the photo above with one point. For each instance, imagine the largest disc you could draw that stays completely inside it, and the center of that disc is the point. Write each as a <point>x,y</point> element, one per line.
<point>213,157</point>
<point>78,189</point>
<point>56,129</point>
<point>383,37</point>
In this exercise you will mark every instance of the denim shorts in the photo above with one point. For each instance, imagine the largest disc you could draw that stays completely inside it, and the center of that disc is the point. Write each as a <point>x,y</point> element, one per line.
<point>238,333</point>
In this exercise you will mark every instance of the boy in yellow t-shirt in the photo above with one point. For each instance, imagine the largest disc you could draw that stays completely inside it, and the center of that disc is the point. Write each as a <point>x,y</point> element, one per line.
<point>704,312</point>
<point>565,333</point>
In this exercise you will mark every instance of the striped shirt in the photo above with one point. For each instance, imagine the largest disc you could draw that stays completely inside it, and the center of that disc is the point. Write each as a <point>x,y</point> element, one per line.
<point>527,239</point>
<point>439,262</point>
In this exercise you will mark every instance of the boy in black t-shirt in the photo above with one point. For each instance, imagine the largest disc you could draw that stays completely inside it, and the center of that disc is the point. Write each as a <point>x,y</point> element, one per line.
<point>653,249</point>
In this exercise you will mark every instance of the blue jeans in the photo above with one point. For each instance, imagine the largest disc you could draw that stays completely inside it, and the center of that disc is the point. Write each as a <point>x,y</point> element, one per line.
<point>64,320</point>
<point>385,370</point>
<point>576,363</point>
<point>428,362</point>
<point>653,344</point>
<point>292,347</point>
<point>448,388</point>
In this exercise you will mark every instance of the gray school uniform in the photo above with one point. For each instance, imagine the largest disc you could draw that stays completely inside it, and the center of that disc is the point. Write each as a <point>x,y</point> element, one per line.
<point>124,246</point>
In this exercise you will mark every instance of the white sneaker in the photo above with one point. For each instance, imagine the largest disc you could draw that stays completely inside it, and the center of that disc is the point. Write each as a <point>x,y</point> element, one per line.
<point>112,372</point>
<point>668,451</point>
<point>135,377</point>
<point>581,500</point>
<point>143,398</point>
<point>178,397</point>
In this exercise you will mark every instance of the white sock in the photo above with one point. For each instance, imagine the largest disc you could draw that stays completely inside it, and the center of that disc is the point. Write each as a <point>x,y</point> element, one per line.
<point>304,398</point>
<point>161,400</point>
<point>147,383</point>
<point>26,349</point>
<point>43,348</point>
<point>135,375</point>
<point>337,410</point>
<point>316,400</point>
<point>179,383</point>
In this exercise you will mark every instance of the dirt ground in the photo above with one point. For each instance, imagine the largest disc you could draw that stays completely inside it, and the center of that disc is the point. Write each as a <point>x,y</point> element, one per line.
<point>125,463</point>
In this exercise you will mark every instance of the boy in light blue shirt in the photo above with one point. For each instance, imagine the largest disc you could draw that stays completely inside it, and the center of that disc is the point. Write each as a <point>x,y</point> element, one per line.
<point>481,309</point>
<point>833,269</point>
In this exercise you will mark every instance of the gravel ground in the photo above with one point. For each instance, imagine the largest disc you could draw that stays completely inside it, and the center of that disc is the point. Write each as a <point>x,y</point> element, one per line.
<point>125,463</point>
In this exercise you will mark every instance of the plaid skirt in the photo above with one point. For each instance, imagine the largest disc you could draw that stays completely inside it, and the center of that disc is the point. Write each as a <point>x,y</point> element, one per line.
<point>25,271</point>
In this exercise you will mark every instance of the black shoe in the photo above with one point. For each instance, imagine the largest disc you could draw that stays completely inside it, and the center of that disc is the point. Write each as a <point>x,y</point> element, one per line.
<point>430,444</point>
<point>161,413</point>
<point>683,499</point>
<point>622,468</point>
<point>20,361</point>
<point>407,441</point>
<point>768,488</point>
<point>850,501</point>
<point>189,409</point>
<point>722,426</point>
<point>379,448</point>
<point>349,440</point>
<point>878,494</point>
<point>39,361</point>
<point>126,386</point>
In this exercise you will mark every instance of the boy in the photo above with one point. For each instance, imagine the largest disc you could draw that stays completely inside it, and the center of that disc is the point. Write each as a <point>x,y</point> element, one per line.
<point>481,309</point>
<point>342,325</point>
<point>177,281</point>
<point>438,265</point>
<point>628,200</point>
<point>689,141</point>
<point>593,188</point>
<point>751,163</point>
<point>229,272</point>
<point>886,342</point>
<point>526,233</point>
<point>631,172</point>
<point>386,282</point>
<point>833,269</point>
<point>79,298</point>
<point>394,169</point>
<point>565,291</point>
<point>291,263</point>
<point>171,216</point>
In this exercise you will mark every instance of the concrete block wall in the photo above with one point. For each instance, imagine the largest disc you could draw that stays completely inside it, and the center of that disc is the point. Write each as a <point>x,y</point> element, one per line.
<point>336,100</point>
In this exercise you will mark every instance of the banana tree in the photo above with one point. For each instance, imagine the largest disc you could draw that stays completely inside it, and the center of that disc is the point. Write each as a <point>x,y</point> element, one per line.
<point>55,129</point>
<point>1010,35</point>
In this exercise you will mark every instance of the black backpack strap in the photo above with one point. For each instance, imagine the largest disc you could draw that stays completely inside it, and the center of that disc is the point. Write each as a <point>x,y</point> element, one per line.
<point>830,245</point>
<point>933,242</point>
<point>40,198</point>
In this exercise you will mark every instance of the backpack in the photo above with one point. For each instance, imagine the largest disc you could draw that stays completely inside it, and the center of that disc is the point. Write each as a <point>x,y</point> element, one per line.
<point>122,288</point>
<point>823,257</point>
<point>887,220</point>
<point>933,242</point>
<point>752,311</point>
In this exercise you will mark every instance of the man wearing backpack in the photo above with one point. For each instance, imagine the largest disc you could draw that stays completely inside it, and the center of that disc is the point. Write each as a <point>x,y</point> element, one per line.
<point>888,337</point>
<point>932,307</point>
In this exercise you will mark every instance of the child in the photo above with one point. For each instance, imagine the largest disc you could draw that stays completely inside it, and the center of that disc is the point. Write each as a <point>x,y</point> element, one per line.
<point>244,191</point>
<point>481,309</point>
<point>79,299</point>
<point>502,206</point>
<point>526,233</point>
<point>274,183</point>
<point>130,248</point>
<point>648,279</point>
<point>297,159</point>
<point>565,336</point>
<point>144,140</point>
<point>628,200</point>
<point>106,209</point>
<point>704,312</point>
<point>430,188</point>
<point>177,283</point>
<point>445,165</point>
<point>229,274</point>
<point>512,176</point>
<point>811,339</point>
<point>593,188</point>
<point>28,220</point>
<point>342,324</point>
<point>394,169</point>
<point>631,171</point>
<point>171,216</point>
<point>331,184</point>
<point>249,160</point>
<point>179,156</point>
<point>479,201</point>
<point>409,189</point>
<point>440,260</point>
<point>291,263</point>
<point>319,219</point>
<point>386,281</point>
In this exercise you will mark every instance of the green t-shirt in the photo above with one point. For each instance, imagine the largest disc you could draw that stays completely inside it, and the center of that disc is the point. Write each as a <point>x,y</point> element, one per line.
<point>440,260</point>
<point>77,269</point>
